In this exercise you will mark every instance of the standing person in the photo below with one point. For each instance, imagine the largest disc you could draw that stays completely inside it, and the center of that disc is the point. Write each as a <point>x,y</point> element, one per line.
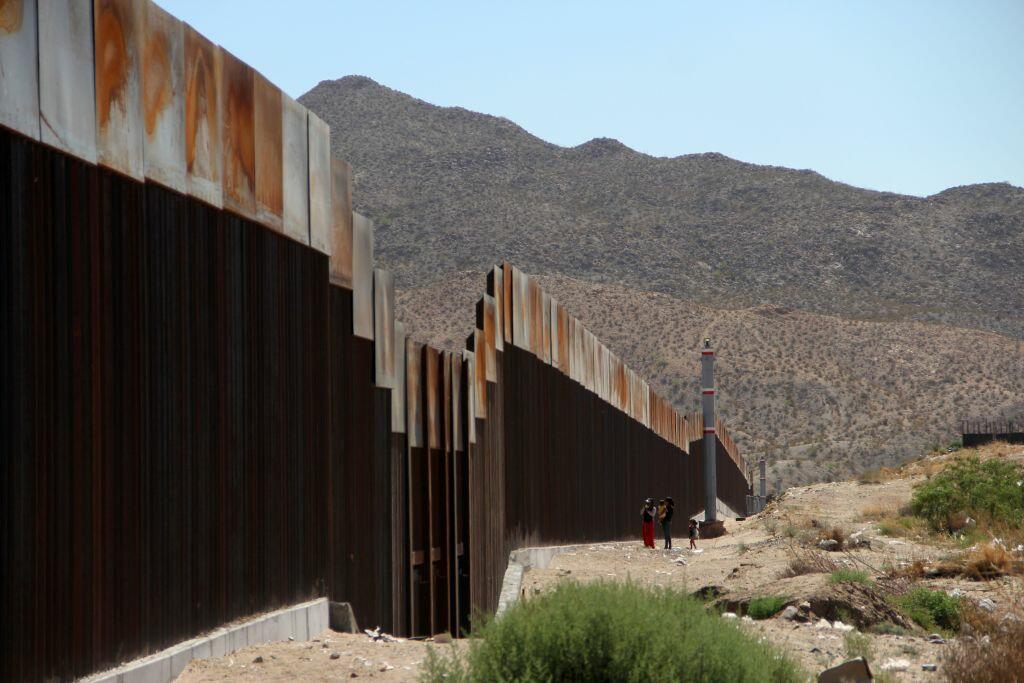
<point>693,534</point>
<point>667,510</point>
<point>647,513</point>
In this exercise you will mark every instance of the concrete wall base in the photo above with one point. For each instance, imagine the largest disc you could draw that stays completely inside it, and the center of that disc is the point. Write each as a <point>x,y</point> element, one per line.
<point>723,512</point>
<point>527,558</point>
<point>300,622</point>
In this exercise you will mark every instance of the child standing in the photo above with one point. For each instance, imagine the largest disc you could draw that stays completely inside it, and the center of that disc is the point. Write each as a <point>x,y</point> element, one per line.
<point>693,534</point>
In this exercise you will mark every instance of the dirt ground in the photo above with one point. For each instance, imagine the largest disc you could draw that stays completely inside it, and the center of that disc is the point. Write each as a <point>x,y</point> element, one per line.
<point>752,558</point>
<point>747,562</point>
<point>358,657</point>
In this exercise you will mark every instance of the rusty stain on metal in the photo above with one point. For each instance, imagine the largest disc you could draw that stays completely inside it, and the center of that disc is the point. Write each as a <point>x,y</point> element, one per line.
<point>545,320</point>
<point>295,173</point>
<point>446,401</point>
<point>621,385</point>
<point>553,308</point>
<point>12,15</point>
<point>67,99</point>
<point>383,327</point>
<point>362,275</point>
<point>456,398</point>
<point>469,359</point>
<point>398,399</point>
<point>432,388</point>
<point>203,151</point>
<point>414,393</point>
<point>163,99</point>
<point>117,39</point>
<point>489,336</point>
<point>536,324</point>
<point>481,374</point>
<point>237,113</point>
<point>574,363</point>
<point>341,223</point>
<point>319,184</point>
<point>520,309</point>
<point>19,67</point>
<point>268,149</point>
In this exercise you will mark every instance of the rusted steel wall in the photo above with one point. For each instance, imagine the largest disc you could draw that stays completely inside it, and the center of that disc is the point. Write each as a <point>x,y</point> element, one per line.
<point>164,419</point>
<point>362,465</point>
<point>208,407</point>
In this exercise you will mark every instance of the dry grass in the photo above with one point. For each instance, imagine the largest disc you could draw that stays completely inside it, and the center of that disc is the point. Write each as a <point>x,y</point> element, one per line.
<point>873,512</point>
<point>808,562</point>
<point>837,534</point>
<point>993,652</point>
<point>987,561</point>
<point>878,475</point>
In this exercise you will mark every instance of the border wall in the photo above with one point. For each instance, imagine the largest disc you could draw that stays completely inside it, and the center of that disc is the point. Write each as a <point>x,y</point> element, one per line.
<point>209,410</point>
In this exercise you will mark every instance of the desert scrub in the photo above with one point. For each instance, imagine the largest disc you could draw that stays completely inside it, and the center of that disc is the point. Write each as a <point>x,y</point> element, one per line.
<point>993,653</point>
<point>932,610</point>
<point>850,576</point>
<point>612,632</point>
<point>989,490</point>
<point>765,607</point>
<point>858,645</point>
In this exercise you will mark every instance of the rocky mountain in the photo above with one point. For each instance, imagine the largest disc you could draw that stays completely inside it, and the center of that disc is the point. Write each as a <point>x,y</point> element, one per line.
<point>816,292</point>
<point>454,190</point>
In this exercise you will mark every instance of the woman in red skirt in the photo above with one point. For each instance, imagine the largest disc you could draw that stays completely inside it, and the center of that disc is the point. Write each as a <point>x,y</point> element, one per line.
<point>647,522</point>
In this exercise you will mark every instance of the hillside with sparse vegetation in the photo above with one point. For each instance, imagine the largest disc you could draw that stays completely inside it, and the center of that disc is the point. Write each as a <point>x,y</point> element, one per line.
<point>855,326</point>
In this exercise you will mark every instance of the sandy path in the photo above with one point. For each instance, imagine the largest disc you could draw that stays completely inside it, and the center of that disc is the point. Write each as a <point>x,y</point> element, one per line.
<point>359,657</point>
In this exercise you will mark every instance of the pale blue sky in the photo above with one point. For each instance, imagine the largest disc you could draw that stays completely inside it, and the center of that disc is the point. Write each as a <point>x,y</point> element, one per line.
<point>905,96</point>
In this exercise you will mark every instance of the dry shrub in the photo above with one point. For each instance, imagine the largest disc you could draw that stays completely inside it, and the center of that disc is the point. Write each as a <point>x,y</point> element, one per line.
<point>878,475</point>
<point>987,561</point>
<point>993,652</point>
<point>808,563</point>
<point>873,512</point>
<point>836,534</point>
<point>913,571</point>
<point>798,567</point>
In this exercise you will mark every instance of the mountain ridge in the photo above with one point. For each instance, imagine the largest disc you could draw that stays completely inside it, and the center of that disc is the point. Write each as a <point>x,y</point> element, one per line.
<point>356,82</point>
<point>794,274</point>
<point>450,189</point>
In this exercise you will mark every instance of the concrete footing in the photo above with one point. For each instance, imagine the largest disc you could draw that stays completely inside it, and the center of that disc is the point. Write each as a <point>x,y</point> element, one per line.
<point>712,529</point>
<point>299,622</point>
<point>518,562</point>
<point>723,512</point>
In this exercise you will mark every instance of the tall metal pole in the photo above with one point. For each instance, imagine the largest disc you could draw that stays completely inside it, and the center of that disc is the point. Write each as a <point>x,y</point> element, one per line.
<point>707,390</point>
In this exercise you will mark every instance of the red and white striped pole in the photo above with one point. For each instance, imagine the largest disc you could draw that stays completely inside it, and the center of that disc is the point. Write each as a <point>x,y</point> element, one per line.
<point>707,390</point>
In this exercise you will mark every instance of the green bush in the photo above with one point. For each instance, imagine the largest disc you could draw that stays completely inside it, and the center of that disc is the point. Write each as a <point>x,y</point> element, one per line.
<point>850,576</point>
<point>765,607</point>
<point>933,610</point>
<point>985,490</point>
<point>612,632</point>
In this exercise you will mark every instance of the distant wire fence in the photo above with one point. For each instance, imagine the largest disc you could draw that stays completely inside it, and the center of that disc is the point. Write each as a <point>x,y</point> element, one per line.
<point>209,409</point>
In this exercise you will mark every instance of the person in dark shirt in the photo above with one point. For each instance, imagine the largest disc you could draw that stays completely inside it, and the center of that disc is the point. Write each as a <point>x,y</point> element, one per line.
<point>693,534</point>
<point>666,510</point>
<point>647,513</point>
